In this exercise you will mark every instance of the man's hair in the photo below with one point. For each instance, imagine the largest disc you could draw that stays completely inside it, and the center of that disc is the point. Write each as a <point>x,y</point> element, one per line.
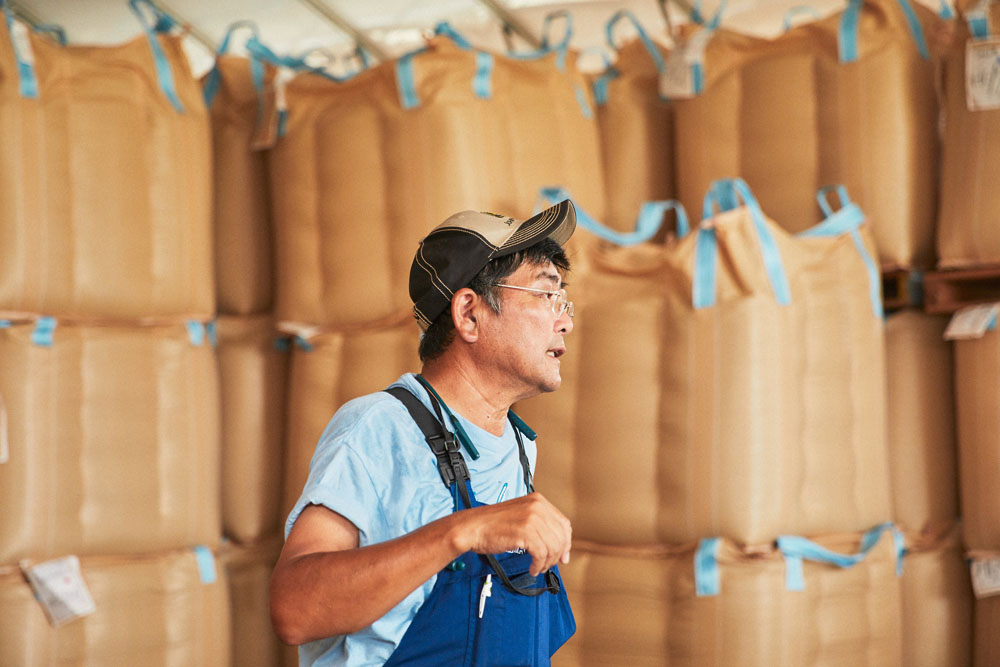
<point>442,330</point>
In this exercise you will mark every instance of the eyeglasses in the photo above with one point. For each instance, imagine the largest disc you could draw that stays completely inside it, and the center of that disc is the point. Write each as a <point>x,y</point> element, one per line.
<point>557,298</point>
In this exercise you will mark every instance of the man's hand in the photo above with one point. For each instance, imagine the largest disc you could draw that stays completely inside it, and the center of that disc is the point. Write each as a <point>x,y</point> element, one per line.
<point>531,523</point>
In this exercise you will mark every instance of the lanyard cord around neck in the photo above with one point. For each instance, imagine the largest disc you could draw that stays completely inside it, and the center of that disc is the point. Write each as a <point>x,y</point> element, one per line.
<point>464,438</point>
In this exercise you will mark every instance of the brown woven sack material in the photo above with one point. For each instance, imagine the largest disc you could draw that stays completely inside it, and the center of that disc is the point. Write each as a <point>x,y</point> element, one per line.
<point>921,415</point>
<point>152,609</point>
<point>870,125</point>
<point>244,235</point>
<point>640,607</point>
<point>358,179</point>
<point>327,370</point>
<point>745,419</point>
<point>248,571</point>
<point>970,201</point>
<point>937,598</point>
<point>636,127</point>
<point>977,401</point>
<point>105,188</point>
<point>253,372</point>
<point>113,436</point>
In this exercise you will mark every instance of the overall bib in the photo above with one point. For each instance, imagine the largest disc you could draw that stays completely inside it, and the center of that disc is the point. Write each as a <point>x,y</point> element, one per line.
<point>483,609</point>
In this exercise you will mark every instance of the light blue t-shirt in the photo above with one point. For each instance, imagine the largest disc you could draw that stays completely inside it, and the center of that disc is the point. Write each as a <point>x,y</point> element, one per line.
<point>373,466</point>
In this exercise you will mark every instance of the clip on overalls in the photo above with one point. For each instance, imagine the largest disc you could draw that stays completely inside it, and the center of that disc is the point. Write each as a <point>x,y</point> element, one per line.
<point>466,620</point>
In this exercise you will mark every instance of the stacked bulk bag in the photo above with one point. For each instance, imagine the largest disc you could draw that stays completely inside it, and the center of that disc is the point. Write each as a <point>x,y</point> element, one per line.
<point>864,114</point>
<point>977,399</point>
<point>636,127</point>
<point>105,187</point>
<point>328,369</point>
<point>936,599</point>
<point>970,201</point>
<point>248,571</point>
<point>921,420</point>
<point>113,439</point>
<point>253,368</point>
<point>715,603</point>
<point>369,165</point>
<point>168,608</point>
<point>239,93</point>
<point>729,383</point>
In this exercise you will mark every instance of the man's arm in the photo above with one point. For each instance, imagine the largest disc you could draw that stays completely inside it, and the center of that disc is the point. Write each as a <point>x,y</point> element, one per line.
<point>325,585</point>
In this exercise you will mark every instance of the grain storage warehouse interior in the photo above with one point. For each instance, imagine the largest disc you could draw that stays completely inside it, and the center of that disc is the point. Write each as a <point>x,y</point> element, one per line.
<point>776,433</point>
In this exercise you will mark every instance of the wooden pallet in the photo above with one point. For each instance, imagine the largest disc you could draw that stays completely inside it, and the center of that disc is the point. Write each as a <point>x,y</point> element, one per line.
<point>901,288</point>
<point>947,291</point>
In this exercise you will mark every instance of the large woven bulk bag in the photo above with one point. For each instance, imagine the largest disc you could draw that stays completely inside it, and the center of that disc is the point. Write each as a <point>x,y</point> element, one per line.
<point>977,412</point>
<point>970,200</point>
<point>253,369</point>
<point>369,166</point>
<point>329,369</point>
<point>714,603</point>
<point>864,114</point>
<point>162,609</point>
<point>636,127</point>
<point>937,600</point>
<point>746,407</point>
<point>986,641</point>
<point>248,571</point>
<point>921,416</point>
<point>115,219</point>
<point>236,94</point>
<point>113,436</point>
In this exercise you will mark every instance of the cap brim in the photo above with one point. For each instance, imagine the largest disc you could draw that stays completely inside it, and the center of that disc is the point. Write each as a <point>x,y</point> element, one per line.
<point>556,222</point>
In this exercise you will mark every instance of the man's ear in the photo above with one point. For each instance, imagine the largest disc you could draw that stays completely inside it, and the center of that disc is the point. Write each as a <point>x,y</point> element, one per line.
<point>463,314</point>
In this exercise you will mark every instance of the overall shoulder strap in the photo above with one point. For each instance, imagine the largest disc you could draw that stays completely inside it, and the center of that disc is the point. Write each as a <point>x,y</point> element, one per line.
<point>444,445</point>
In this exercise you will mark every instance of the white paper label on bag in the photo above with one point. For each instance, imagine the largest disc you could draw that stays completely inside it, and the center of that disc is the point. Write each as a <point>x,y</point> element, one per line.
<point>982,74</point>
<point>678,80</point>
<point>22,43</point>
<point>986,577</point>
<point>59,587</point>
<point>972,322</point>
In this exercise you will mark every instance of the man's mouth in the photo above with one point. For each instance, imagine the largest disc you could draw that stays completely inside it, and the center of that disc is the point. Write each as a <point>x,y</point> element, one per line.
<point>557,352</point>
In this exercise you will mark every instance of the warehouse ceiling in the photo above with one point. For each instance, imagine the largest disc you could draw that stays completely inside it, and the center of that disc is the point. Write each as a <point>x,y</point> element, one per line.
<point>331,29</point>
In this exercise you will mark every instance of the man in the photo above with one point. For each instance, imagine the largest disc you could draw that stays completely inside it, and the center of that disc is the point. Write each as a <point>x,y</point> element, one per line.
<point>387,552</point>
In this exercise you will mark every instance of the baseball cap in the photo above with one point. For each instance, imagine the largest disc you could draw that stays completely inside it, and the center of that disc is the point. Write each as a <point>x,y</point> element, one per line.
<point>451,255</point>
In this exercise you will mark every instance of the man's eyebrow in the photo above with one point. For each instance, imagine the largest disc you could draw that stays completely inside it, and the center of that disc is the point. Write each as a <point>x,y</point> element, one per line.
<point>551,276</point>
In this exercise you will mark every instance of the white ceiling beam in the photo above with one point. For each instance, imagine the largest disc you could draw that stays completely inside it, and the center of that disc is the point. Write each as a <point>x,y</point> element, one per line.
<point>190,27</point>
<point>504,14</point>
<point>360,38</point>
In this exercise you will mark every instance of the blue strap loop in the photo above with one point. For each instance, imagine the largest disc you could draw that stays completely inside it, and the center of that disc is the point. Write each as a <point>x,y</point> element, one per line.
<point>482,84</point>
<point>206,564</point>
<point>847,36</point>
<point>303,344</point>
<point>57,32</point>
<point>699,18</point>
<point>796,549</point>
<point>706,568</point>
<point>214,77</point>
<point>978,18</point>
<point>706,258</point>
<point>27,79</point>
<point>654,53</point>
<point>848,220</point>
<point>946,13</point>
<point>196,332</point>
<point>647,224</point>
<point>408,97</point>
<point>798,10</point>
<point>725,191</point>
<point>45,327</point>
<point>444,29</point>
<point>163,24</point>
<point>600,85</point>
<point>563,45</point>
<point>257,49</point>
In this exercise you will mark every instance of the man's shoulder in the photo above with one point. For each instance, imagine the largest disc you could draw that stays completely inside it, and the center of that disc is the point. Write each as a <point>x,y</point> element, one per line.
<point>378,416</point>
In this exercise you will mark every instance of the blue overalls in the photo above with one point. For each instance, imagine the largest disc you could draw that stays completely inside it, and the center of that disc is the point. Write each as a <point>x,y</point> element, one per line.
<point>483,609</point>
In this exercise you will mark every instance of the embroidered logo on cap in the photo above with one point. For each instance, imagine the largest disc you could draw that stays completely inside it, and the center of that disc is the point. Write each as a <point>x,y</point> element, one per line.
<point>509,221</point>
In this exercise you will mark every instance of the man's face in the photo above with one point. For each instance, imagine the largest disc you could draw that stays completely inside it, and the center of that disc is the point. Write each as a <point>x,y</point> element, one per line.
<point>522,344</point>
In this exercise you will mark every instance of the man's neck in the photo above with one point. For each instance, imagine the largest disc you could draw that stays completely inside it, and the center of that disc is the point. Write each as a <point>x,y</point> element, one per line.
<point>469,394</point>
